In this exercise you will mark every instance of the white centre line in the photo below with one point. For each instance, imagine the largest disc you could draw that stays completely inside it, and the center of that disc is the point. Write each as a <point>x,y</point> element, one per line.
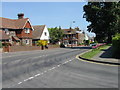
<point>44,72</point>
<point>19,82</point>
<point>30,78</point>
<point>37,75</point>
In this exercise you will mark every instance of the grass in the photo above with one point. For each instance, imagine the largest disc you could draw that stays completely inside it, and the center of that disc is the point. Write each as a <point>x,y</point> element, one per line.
<point>94,52</point>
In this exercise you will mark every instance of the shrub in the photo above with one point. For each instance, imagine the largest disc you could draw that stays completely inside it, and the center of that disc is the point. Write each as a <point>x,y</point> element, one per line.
<point>62,45</point>
<point>116,45</point>
<point>42,43</point>
<point>0,44</point>
<point>87,42</point>
<point>81,44</point>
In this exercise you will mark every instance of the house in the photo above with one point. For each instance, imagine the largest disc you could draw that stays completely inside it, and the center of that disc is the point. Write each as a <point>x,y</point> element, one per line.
<point>19,30</point>
<point>72,36</point>
<point>3,37</point>
<point>40,33</point>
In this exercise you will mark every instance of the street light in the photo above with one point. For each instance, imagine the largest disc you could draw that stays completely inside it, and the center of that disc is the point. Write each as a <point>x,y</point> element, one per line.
<point>71,32</point>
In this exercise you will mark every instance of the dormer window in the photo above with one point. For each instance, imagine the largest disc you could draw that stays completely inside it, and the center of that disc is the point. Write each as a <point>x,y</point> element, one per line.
<point>27,30</point>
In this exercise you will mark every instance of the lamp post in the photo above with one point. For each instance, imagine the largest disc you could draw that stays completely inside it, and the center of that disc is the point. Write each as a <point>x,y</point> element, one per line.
<point>71,33</point>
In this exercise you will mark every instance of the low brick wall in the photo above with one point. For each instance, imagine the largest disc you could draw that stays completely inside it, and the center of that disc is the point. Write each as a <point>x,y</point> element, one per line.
<point>23,48</point>
<point>26,48</point>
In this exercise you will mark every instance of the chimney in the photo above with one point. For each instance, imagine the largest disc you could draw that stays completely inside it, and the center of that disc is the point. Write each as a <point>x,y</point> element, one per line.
<point>20,15</point>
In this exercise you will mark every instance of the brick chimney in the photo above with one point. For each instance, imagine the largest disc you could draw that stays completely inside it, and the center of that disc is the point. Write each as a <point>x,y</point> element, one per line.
<point>20,15</point>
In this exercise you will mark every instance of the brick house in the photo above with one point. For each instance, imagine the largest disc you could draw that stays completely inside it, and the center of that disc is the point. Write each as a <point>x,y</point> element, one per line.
<point>3,37</point>
<point>73,36</point>
<point>19,30</point>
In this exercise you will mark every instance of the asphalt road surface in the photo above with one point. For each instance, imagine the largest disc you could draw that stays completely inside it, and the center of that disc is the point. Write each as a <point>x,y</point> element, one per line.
<point>55,68</point>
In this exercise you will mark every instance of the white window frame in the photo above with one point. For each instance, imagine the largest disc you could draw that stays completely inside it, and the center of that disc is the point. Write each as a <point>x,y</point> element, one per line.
<point>27,41</point>
<point>7,31</point>
<point>27,30</point>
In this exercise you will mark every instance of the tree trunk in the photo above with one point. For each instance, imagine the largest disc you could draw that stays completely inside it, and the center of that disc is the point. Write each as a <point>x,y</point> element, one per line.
<point>42,47</point>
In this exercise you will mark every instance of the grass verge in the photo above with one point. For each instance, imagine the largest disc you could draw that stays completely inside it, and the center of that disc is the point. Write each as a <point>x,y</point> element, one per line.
<point>94,52</point>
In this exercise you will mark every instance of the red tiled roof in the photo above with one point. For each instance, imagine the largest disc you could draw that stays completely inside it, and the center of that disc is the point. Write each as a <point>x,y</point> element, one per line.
<point>38,30</point>
<point>3,36</point>
<point>13,23</point>
<point>69,31</point>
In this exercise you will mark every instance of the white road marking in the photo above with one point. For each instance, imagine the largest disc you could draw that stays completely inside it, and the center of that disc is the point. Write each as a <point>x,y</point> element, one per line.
<point>26,80</point>
<point>53,68</point>
<point>30,78</point>
<point>59,65</point>
<point>44,72</point>
<point>19,82</point>
<point>37,75</point>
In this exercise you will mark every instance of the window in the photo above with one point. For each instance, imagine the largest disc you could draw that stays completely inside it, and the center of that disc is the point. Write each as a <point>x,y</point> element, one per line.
<point>45,34</point>
<point>27,41</point>
<point>7,31</point>
<point>27,30</point>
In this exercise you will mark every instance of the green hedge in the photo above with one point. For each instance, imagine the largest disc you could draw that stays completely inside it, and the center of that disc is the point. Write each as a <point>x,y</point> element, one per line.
<point>0,44</point>
<point>116,45</point>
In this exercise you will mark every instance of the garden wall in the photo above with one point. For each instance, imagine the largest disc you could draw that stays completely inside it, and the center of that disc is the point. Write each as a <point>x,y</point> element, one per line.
<point>25,48</point>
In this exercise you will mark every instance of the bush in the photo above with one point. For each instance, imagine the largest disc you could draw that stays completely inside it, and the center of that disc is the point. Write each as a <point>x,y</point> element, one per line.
<point>62,45</point>
<point>81,44</point>
<point>116,45</point>
<point>42,43</point>
<point>87,42</point>
<point>0,44</point>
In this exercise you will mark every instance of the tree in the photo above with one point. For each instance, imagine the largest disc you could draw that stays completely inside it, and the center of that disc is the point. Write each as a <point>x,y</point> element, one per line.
<point>42,43</point>
<point>56,34</point>
<point>104,18</point>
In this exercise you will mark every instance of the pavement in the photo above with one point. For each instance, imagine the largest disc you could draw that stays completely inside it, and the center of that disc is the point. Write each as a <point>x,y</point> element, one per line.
<point>0,50</point>
<point>55,68</point>
<point>106,56</point>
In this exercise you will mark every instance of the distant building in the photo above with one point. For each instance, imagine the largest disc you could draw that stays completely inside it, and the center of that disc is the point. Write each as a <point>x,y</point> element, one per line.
<point>40,33</point>
<point>73,36</point>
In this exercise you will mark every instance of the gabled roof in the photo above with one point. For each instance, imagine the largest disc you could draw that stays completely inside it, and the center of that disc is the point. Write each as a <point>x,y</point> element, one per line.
<point>13,23</point>
<point>3,36</point>
<point>38,30</point>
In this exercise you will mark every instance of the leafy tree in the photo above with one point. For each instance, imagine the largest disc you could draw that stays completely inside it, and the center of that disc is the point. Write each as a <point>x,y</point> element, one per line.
<point>104,18</point>
<point>56,34</point>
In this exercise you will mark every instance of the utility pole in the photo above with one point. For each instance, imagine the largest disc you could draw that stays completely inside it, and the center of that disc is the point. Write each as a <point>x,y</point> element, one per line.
<point>71,33</point>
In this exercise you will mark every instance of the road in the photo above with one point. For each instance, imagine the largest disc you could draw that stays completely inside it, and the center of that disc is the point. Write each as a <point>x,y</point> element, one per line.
<point>55,68</point>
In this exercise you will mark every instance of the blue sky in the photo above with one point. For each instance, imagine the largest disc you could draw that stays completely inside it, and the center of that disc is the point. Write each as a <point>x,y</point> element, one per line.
<point>51,14</point>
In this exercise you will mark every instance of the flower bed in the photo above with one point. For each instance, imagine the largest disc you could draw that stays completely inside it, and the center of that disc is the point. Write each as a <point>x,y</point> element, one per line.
<point>98,45</point>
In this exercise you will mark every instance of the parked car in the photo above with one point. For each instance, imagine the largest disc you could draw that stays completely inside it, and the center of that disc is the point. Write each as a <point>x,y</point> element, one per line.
<point>93,44</point>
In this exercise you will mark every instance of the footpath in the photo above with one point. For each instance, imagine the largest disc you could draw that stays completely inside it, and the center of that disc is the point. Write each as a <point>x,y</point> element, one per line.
<point>106,56</point>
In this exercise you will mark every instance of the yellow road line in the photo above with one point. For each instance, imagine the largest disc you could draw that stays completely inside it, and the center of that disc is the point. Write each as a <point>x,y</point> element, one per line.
<point>94,62</point>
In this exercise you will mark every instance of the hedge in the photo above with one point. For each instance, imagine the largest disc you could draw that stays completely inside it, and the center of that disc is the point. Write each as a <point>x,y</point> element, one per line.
<point>116,46</point>
<point>0,44</point>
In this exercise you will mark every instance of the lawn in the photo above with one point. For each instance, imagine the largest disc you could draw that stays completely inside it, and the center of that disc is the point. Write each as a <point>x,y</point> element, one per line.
<point>94,52</point>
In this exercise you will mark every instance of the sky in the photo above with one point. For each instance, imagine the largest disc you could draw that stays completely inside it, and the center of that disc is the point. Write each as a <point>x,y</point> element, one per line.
<point>52,14</point>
